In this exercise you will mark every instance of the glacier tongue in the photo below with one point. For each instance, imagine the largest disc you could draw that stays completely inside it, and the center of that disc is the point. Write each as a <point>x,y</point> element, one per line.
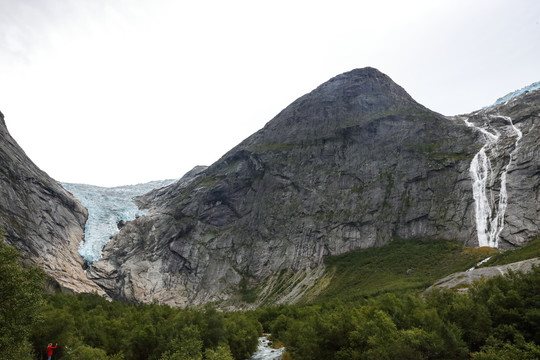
<point>106,207</point>
<point>510,96</point>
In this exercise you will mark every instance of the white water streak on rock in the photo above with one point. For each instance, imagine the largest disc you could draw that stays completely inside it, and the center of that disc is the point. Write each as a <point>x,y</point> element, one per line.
<point>503,196</point>
<point>489,217</point>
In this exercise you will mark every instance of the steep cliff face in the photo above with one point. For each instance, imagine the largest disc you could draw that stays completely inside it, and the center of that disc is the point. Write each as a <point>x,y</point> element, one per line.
<point>40,218</point>
<point>522,216</point>
<point>353,164</point>
<point>507,171</point>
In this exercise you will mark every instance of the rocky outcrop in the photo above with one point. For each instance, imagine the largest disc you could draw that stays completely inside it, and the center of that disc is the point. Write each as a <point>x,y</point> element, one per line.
<point>351,165</point>
<point>40,218</point>
<point>461,281</point>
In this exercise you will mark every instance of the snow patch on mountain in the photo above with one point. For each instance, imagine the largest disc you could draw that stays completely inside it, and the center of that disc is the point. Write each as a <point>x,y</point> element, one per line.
<point>106,208</point>
<point>533,87</point>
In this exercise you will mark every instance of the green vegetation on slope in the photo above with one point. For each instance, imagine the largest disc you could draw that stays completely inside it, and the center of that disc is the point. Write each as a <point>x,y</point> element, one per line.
<point>400,266</point>
<point>371,310</point>
<point>498,319</point>
<point>529,251</point>
<point>20,302</point>
<point>374,308</point>
<point>90,327</point>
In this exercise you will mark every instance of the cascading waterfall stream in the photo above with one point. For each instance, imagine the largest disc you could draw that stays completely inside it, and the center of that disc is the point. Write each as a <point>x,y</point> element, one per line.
<point>490,218</point>
<point>503,196</point>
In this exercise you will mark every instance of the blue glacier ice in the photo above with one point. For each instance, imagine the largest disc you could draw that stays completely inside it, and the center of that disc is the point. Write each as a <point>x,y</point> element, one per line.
<point>513,94</point>
<point>106,207</point>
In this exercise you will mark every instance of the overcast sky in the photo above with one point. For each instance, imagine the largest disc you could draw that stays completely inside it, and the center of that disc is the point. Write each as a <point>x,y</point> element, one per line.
<point>126,91</point>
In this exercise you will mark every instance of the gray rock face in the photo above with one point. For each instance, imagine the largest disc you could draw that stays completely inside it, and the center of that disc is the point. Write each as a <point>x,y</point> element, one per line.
<point>40,218</point>
<point>462,280</point>
<point>513,182</point>
<point>351,165</point>
<point>522,221</point>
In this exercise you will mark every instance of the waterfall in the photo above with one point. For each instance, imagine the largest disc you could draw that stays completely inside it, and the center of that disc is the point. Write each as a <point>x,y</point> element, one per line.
<point>488,215</point>
<point>480,171</point>
<point>503,196</point>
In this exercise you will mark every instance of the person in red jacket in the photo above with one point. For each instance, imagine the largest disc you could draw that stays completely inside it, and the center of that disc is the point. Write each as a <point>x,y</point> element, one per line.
<point>50,350</point>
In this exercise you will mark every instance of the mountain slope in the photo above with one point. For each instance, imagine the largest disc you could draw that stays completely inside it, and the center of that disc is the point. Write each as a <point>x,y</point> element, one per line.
<point>351,165</point>
<point>40,218</point>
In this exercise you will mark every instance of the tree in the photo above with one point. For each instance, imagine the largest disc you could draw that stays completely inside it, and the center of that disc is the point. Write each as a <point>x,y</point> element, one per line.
<point>214,332</point>
<point>85,352</point>
<point>243,335</point>
<point>187,347</point>
<point>518,348</point>
<point>21,297</point>
<point>221,353</point>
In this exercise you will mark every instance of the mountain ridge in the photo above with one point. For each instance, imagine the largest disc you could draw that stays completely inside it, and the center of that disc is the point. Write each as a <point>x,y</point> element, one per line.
<point>356,163</point>
<point>307,185</point>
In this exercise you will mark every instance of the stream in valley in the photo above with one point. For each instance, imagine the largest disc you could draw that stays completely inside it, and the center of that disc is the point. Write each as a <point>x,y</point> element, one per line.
<point>266,352</point>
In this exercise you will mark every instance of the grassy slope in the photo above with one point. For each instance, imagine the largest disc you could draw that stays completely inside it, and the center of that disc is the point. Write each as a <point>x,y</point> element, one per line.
<point>401,266</point>
<point>410,265</point>
<point>529,251</point>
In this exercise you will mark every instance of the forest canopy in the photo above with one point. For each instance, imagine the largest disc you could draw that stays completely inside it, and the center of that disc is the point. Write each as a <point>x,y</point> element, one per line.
<point>497,318</point>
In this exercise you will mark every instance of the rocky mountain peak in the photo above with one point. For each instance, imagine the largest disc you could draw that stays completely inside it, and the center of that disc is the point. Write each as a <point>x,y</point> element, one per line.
<point>360,91</point>
<point>351,99</point>
<point>365,84</point>
<point>352,164</point>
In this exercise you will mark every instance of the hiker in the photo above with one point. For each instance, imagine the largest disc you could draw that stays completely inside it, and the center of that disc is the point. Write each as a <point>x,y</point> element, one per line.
<point>50,350</point>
